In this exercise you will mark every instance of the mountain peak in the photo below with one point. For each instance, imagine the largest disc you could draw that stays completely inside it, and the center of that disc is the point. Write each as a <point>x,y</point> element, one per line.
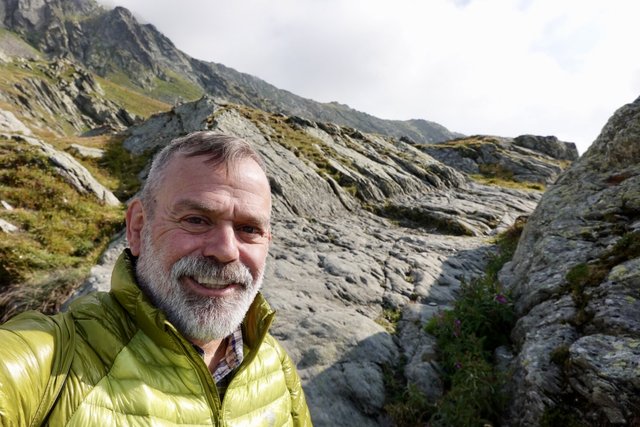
<point>114,42</point>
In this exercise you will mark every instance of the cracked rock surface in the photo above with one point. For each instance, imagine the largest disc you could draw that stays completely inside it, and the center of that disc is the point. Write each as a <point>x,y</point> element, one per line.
<point>576,282</point>
<point>361,224</point>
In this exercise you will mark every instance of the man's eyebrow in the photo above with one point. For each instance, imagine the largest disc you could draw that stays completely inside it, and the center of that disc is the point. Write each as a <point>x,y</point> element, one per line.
<point>196,205</point>
<point>190,204</point>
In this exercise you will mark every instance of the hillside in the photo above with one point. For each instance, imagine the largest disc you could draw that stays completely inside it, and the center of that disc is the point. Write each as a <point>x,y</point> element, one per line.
<point>375,237</point>
<point>114,45</point>
<point>414,227</point>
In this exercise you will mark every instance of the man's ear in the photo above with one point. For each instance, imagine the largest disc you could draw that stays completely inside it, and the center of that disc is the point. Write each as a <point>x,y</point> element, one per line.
<point>135,222</point>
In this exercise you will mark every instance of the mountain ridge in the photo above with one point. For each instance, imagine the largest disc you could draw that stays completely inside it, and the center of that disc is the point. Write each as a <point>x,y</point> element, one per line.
<point>374,235</point>
<point>112,41</point>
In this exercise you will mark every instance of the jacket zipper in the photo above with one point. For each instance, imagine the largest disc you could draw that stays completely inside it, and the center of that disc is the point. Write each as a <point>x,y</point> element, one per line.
<point>206,380</point>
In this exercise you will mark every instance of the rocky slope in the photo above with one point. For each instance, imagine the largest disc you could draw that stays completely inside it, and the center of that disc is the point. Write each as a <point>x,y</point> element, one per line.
<point>112,42</point>
<point>576,280</point>
<point>526,158</point>
<point>337,264</point>
<point>373,235</point>
<point>58,95</point>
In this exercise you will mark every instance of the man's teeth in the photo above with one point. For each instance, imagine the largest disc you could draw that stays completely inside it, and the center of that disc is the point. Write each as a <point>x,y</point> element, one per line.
<point>211,283</point>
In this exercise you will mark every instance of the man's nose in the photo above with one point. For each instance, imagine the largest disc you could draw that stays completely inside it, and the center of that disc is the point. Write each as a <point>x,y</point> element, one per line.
<point>221,244</point>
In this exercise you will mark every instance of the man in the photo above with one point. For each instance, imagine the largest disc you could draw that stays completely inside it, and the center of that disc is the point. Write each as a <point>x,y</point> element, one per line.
<point>181,338</point>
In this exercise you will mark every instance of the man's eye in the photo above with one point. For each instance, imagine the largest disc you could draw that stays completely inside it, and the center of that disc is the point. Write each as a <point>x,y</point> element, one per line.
<point>250,229</point>
<point>194,220</point>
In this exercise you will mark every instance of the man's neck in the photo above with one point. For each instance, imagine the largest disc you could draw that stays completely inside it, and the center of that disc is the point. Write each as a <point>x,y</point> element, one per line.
<point>214,351</point>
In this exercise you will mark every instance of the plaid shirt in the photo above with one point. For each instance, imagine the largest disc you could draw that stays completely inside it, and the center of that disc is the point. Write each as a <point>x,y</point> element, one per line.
<point>231,360</point>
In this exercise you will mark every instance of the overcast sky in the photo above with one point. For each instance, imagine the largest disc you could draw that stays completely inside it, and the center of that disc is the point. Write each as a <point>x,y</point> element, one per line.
<point>498,67</point>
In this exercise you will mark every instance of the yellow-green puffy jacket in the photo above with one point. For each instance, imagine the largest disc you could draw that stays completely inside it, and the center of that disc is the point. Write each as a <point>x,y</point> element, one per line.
<point>113,359</point>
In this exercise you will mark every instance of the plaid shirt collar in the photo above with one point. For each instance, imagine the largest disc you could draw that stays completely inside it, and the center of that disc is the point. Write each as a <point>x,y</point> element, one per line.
<point>232,358</point>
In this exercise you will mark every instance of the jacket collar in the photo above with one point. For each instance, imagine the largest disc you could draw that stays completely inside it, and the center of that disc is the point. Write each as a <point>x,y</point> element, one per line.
<point>153,321</point>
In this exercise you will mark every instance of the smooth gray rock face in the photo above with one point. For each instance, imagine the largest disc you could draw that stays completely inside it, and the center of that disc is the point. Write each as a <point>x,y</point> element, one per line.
<point>12,46</point>
<point>586,225</point>
<point>86,152</point>
<point>549,145</point>
<point>334,266</point>
<point>7,227</point>
<point>9,123</point>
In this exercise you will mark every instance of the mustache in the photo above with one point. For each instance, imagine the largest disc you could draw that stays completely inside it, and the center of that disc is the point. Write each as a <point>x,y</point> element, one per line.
<point>211,270</point>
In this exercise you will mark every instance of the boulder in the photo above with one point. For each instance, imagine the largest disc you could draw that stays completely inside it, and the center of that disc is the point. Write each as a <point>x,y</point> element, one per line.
<point>7,227</point>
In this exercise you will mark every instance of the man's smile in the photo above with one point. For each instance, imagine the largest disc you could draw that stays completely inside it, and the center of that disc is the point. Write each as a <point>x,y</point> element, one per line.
<point>211,287</point>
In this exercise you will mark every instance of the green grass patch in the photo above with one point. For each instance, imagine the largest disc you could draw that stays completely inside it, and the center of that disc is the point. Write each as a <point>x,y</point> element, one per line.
<point>134,101</point>
<point>117,170</point>
<point>497,175</point>
<point>124,167</point>
<point>506,183</point>
<point>404,404</point>
<point>173,88</point>
<point>389,319</point>
<point>410,408</point>
<point>61,230</point>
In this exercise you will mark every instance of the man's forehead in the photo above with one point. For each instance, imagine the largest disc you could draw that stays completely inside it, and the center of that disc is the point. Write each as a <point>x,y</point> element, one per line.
<point>217,165</point>
<point>243,170</point>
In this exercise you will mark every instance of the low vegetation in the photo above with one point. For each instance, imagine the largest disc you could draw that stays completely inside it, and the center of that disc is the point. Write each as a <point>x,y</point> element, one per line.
<point>498,175</point>
<point>587,275</point>
<point>173,88</point>
<point>406,405</point>
<point>131,99</point>
<point>467,336</point>
<point>507,183</point>
<point>61,232</point>
<point>389,319</point>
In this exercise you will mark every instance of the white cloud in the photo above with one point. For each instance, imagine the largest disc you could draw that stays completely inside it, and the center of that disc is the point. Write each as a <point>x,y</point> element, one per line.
<point>499,67</point>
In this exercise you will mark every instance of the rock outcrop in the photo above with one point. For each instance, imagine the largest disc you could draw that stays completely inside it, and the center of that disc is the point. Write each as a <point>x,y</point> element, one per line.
<point>59,94</point>
<point>575,278</point>
<point>63,163</point>
<point>336,265</point>
<point>526,158</point>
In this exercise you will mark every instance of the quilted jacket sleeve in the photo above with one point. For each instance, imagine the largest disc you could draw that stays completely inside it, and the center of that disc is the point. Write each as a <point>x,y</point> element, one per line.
<point>34,360</point>
<point>299,409</point>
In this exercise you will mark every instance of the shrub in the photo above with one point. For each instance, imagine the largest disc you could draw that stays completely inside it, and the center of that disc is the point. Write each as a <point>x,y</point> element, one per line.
<point>410,409</point>
<point>467,335</point>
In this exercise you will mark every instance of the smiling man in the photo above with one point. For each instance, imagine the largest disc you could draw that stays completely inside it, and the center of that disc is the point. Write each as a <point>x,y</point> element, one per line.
<point>182,337</point>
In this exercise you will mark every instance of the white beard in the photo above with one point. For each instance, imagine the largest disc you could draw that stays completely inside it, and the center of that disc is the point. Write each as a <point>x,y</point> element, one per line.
<point>197,317</point>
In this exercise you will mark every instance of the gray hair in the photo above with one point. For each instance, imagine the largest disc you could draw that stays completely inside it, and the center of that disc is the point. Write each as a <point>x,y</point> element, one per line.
<point>220,150</point>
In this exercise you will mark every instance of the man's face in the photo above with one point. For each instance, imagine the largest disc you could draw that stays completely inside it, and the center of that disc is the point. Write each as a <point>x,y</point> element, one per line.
<point>201,256</point>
